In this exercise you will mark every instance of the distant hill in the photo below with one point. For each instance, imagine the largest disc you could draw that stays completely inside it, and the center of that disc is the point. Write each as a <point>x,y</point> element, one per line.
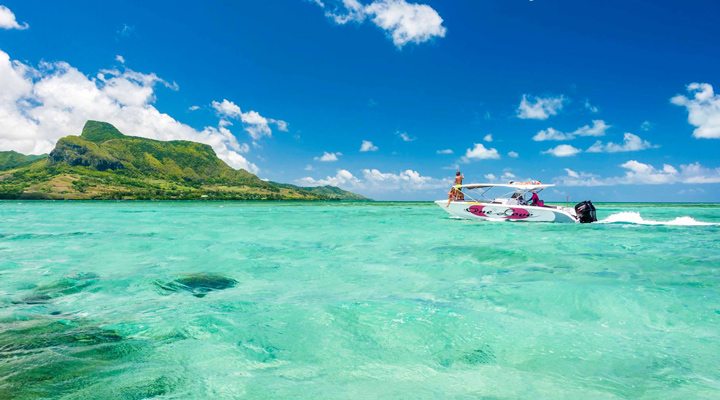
<point>103,163</point>
<point>13,159</point>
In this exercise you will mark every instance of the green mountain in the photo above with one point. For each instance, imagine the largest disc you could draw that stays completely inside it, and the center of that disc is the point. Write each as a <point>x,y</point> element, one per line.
<point>13,159</point>
<point>103,163</point>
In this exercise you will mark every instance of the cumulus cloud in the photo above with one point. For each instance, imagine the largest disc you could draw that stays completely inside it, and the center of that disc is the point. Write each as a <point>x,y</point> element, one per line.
<point>562,150</point>
<point>598,128</point>
<point>488,138</point>
<point>631,142</point>
<point>533,107</point>
<point>8,21</point>
<point>40,105</point>
<point>406,137</point>
<point>328,157</point>
<point>255,124</point>
<point>480,152</point>
<point>513,154</point>
<point>374,180</point>
<point>120,59</point>
<point>703,110</point>
<point>506,176</point>
<point>343,178</point>
<point>638,173</point>
<point>367,146</point>
<point>404,22</point>
<point>444,151</point>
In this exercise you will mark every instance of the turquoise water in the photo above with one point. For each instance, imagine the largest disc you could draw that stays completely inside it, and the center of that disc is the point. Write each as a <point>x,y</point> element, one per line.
<point>132,300</point>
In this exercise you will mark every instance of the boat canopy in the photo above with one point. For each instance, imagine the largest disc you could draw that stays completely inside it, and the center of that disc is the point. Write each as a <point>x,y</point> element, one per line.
<point>523,186</point>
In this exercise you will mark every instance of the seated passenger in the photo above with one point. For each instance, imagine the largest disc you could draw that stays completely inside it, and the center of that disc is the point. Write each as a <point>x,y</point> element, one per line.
<point>518,197</point>
<point>535,200</point>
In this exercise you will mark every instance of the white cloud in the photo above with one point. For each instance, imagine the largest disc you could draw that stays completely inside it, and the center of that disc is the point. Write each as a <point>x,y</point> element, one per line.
<point>38,106</point>
<point>405,137</point>
<point>513,154</point>
<point>562,150</point>
<point>367,145</point>
<point>646,126</point>
<point>637,173</point>
<point>590,107</point>
<point>194,108</point>
<point>703,110</point>
<point>404,22</point>
<point>255,124</point>
<point>120,59</point>
<point>488,138</point>
<point>598,128</point>
<point>631,142</point>
<point>343,178</point>
<point>328,157</point>
<point>227,108</point>
<point>490,177</point>
<point>572,173</point>
<point>350,11</point>
<point>551,134</point>
<point>480,152</point>
<point>507,175</point>
<point>444,151</point>
<point>532,107</point>
<point>374,180</point>
<point>8,21</point>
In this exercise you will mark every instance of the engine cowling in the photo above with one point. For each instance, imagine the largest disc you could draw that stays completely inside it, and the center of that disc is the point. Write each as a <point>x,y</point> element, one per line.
<point>585,212</point>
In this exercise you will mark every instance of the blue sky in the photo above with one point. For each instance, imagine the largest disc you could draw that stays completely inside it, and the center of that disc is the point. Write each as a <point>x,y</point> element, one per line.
<point>274,86</point>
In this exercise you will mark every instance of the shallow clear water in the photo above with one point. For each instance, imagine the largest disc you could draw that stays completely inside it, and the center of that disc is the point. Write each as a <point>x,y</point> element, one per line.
<point>387,300</point>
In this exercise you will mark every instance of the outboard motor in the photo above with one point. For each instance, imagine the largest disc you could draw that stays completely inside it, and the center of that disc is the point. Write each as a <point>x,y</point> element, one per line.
<point>585,212</point>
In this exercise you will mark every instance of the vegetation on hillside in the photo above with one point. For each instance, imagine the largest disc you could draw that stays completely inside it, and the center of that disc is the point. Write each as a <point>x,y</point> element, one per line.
<point>13,159</point>
<point>102,163</point>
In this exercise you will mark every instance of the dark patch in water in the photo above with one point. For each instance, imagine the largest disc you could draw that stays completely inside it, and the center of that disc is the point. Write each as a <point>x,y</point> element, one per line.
<point>479,356</point>
<point>28,236</point>
<point>199,285</point>
<point>68,285</point>
<point>148,390</point>
<point>47,358</point>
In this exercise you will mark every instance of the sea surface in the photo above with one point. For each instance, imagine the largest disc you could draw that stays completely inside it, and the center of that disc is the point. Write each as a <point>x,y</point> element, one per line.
<point>275,300</point>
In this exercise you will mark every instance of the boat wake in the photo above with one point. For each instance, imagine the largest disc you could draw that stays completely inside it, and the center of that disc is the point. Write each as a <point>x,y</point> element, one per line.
<point>632,217</point>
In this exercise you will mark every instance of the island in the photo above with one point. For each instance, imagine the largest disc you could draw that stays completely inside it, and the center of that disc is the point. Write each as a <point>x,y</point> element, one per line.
<point>104,164</point>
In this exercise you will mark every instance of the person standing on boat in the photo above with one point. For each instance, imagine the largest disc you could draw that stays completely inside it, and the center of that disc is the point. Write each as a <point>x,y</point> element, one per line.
<point>456,191</point>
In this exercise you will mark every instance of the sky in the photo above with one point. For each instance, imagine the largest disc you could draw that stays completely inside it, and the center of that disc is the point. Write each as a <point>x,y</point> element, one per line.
<point>611,100</point>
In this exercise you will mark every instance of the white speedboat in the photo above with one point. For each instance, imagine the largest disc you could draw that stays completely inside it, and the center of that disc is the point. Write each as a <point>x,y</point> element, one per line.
<point>514,206</point>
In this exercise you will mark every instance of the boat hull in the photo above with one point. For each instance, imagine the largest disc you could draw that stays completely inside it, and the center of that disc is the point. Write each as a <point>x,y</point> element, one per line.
<point>503,212</point>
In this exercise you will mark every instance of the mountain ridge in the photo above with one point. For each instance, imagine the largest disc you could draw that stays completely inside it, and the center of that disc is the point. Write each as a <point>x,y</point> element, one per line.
<point>104,163</point>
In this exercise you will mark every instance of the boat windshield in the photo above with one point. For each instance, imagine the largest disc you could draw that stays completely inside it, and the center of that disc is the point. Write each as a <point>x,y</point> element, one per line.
<point>488,194</point>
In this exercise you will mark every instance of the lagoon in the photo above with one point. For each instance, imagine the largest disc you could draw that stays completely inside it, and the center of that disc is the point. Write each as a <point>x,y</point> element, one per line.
<point>265,300</point>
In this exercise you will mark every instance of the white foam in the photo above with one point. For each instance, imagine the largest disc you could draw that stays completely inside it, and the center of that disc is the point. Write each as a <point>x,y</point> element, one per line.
<point>632,217</point>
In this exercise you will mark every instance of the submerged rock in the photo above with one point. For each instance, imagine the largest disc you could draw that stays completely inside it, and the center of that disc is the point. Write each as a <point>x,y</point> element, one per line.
<point>199,285</point>
<point>48,358</point>
<point>68,285</point>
